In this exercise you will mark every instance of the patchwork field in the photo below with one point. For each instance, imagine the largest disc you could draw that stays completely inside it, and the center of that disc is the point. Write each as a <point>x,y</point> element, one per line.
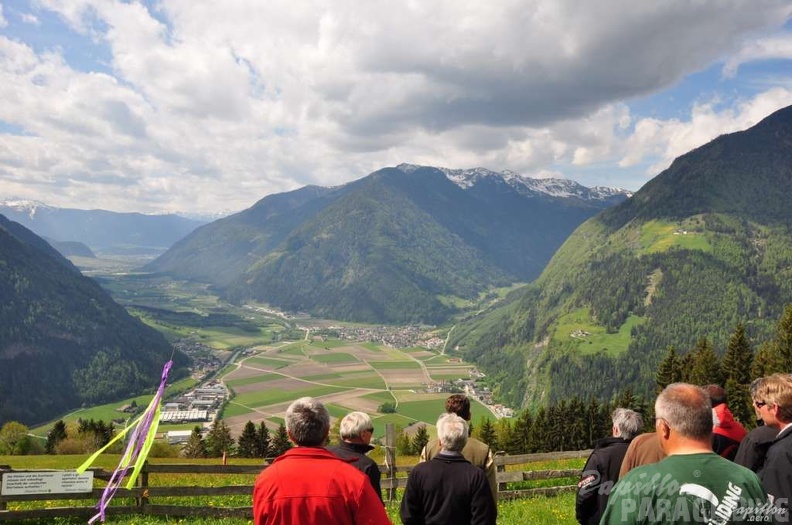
<point>346,377</point>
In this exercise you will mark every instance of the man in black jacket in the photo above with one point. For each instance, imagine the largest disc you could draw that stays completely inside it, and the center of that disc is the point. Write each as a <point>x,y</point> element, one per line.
<point>356,431</point>
<point>448,488</point>
<point>602,468</point>
<point>773,403</point>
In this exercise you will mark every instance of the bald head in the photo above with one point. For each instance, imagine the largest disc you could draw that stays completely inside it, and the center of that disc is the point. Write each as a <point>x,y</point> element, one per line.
<point>687,410</point>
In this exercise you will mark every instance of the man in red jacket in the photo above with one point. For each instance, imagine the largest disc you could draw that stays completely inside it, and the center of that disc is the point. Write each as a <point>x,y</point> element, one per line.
<point>727,432</point>
<point>309,485</point>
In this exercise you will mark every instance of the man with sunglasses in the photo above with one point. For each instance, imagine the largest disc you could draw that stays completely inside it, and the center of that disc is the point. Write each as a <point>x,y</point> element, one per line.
<point>773,403</point>
<point>692,484</point>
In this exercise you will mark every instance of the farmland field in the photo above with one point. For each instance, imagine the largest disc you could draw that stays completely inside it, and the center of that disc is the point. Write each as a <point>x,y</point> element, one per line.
<point>345,376</point>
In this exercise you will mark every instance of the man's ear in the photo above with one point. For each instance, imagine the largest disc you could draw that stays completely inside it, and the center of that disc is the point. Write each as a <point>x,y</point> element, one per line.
<point>665,430</point>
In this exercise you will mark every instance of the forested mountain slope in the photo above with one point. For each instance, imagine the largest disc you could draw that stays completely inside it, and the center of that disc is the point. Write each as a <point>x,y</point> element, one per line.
<point>63,340</point>
<point>704,245</point>
<point>400,245</point>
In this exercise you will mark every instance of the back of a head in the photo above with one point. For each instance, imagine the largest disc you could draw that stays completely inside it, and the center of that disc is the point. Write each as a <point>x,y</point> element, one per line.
<point>627,422</point>
<point>777,390</point>
<point>354,424</point>
<point>452,431</point>
<point>687,410</point>
<point>717,394</point>
<point>307,422</point>
<point>459,404</point>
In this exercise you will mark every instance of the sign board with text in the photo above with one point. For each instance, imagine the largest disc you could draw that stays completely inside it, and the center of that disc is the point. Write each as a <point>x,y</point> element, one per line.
<point>55,482</point>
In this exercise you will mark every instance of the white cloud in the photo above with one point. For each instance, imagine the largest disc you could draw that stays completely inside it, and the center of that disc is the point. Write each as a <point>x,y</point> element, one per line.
<point>212,105</point>
<point>3,21</point>
<point>779,47</point>
<point>664,140</point>
<point>30,19</point>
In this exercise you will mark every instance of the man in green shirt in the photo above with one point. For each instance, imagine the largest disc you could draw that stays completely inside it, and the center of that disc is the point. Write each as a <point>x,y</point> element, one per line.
<point>693,484</point>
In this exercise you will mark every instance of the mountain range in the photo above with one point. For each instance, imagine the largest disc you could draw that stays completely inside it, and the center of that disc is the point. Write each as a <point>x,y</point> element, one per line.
<point>101,230</point>
<point>705,245</point>
<point>402,244</point>
<point>63,340</point>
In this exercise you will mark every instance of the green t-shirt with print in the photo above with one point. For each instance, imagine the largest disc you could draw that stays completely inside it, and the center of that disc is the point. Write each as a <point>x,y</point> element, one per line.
<point>688,488</point>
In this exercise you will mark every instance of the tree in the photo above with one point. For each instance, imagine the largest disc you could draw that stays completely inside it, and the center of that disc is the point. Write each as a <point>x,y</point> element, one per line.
<point>56,434</point>
<point>706,369</point>
<point>420,439</point>
<point>737,364</point>
<point>387,408</point>
<point>486,433</point>
<point>247,441</point>
<point>13,437</point>
<point>669,370</point>
<point>219,439</point>
<point>738,358</point>
<point>280,442</point>
<point>262,441</point>
<point>195,448</point>
<point>403,442</point>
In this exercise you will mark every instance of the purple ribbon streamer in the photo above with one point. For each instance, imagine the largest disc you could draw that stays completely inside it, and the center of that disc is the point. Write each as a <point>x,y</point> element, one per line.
<point>135,445</point>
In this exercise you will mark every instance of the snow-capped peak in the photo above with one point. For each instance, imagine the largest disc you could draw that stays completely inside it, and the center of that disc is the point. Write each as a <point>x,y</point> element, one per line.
<point>561,188</point>
<point>29,207</point>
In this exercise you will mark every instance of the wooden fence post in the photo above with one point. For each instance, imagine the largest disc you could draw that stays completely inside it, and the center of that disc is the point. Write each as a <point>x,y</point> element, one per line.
<point>144,484</point>
<point>3,468</point>
<point>390,459</point>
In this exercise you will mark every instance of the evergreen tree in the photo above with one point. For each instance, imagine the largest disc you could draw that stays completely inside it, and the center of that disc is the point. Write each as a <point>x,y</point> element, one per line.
<point>420,439</point>
<point>738,358</point>
<point>520,439</point>
<point>219,439</point>
<point>784,340</point>
<point>246,444</point>
<point>280,441</point>
<point>195,447</point>
<point>669,370</point>
<point>706,369</point>
<point>486,433</point>
<point>262,441</point>
<point>686,367</point>
<point>740,403</point>
<point>56,434</point>
<point>403,444</point>
<point>766,361</point>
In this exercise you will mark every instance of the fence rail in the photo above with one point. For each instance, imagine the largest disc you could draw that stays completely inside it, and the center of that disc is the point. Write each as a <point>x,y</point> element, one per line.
<point>142,495</point>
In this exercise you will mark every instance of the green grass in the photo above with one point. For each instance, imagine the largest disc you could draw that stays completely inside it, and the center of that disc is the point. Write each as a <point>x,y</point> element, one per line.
<point>395,365</point>
<point>660,236</point>
<point>273,396</point>
<point>268,362</point>
<point>597,339</point>
<point>382,397</point>
<point>263,378</point>
<point>335,358</point>
<point>108,412</point>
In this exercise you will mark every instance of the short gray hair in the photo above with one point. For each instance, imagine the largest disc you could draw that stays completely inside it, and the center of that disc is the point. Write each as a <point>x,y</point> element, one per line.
<point>354,424</point>
<point>452,431</point>
<point>307,422</point>
<point>687,409</point>
<point>627,422</point>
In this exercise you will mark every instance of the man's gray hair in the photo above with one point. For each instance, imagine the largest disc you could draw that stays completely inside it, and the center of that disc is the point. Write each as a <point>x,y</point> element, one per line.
<point>307,422</point>
<point>452,431</point>
<point>627,422</point>
<point>687,410</point>
<point>354,424</point>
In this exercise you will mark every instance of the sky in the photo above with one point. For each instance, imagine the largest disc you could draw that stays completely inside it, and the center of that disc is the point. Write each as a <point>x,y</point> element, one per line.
<point>206,106</point>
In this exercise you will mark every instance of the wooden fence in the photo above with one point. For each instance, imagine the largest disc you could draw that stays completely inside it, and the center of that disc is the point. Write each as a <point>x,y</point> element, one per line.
<point>143,498</point>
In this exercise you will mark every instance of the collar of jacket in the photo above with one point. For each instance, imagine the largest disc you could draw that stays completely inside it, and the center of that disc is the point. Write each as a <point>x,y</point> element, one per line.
<point>443,456</point>
<point>360,448</point>
<point>610,440</point>
<point>306,453</point>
